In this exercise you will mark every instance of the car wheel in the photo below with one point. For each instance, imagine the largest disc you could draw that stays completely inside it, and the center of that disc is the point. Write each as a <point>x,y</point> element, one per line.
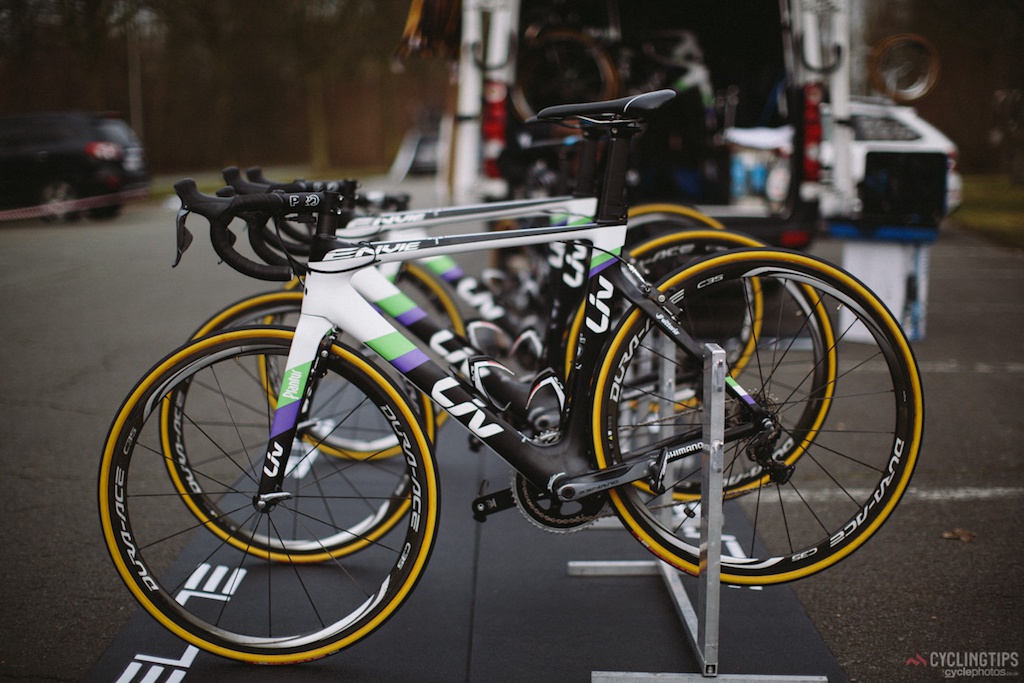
<point>53,197</point>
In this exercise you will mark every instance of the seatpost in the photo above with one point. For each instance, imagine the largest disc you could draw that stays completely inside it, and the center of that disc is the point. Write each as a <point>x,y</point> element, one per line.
<point>586,170</point>
<point>611,206</point>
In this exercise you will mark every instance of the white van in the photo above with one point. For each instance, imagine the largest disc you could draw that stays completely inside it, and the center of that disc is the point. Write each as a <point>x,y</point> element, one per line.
<point>748,140</point>
<point>903,170</point>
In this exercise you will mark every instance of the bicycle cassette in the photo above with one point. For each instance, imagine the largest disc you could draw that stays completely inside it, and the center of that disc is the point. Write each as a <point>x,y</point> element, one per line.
<point>543,509</point>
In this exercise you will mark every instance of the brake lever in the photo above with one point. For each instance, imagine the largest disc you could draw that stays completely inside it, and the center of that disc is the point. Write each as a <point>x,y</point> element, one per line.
<point>184,236</point>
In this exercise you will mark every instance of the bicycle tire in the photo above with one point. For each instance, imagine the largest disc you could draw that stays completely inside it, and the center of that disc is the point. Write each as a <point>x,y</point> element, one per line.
<point>644,218</point>
<point>305,594</point>
<point>560,66</point>
<point>852,438</point>
<point>661,257</point>
<point>898,57</point>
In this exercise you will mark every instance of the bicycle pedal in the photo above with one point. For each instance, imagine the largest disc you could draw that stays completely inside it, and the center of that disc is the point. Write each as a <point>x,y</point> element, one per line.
<point>492,502</point>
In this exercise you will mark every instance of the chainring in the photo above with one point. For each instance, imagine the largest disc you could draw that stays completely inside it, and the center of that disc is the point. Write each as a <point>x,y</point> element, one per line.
<point>544,510</point>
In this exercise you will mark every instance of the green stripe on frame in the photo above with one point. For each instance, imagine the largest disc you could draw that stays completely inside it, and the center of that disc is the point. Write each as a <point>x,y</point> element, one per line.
<point>391,345</point>
<point>396,304</point>
<point>439,265</point>
<point>600,257</point>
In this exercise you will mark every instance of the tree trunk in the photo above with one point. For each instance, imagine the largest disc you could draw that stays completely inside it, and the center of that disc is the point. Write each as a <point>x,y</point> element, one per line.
<point>319,133</point>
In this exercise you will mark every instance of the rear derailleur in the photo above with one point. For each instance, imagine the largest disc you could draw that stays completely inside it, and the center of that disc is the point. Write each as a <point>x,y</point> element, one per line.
<point>761,450</point>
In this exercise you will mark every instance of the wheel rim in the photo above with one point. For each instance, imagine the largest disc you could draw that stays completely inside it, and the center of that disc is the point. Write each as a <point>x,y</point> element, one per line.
<point>859,446</point>
<point>226,591</point>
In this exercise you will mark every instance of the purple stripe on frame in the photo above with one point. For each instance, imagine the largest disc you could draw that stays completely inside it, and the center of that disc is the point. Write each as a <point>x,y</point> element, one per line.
<point>597,269</point>
<point>411,316</point>
<point>284,418</point>
<point>453,274</point>
<point>410,360</point>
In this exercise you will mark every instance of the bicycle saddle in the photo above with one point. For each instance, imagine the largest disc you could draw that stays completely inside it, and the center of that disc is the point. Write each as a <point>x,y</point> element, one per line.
<point>633,108</point>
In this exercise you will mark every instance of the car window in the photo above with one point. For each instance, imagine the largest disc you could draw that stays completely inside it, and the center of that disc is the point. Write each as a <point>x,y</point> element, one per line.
<point>881,128</point>
<point>115,130</point>
<point>44,131</point>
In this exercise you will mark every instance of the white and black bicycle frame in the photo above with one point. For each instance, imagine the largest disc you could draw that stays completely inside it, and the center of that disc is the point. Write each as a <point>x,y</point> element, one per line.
<point>342,281</point>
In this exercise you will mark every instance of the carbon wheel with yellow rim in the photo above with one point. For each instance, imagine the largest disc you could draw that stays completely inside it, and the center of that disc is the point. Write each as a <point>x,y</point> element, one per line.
<point>904,67</point>
<point>315,573</point>
<point>844,398</point>
<point>656,218</point>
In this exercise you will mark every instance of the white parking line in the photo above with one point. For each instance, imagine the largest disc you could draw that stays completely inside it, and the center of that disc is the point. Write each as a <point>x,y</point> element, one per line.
<point>972,367</point>
<point>927,495</point>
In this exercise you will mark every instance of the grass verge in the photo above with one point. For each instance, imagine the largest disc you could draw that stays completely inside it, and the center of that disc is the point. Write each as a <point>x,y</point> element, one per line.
<point>993,208</point>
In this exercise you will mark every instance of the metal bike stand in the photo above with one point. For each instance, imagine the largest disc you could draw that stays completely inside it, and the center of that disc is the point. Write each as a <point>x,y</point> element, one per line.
<point>702,623</point>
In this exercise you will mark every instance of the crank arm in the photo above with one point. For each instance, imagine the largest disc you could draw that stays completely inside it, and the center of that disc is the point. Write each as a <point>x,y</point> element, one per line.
<point>492,502</point>
<point>584,485</point>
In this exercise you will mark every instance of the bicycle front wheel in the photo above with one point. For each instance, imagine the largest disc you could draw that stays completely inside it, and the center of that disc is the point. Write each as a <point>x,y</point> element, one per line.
<point>317,572</point>
<point>835,373</point>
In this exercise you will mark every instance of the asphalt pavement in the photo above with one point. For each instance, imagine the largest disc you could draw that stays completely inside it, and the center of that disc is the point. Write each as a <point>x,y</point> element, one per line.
<point>88,307</point>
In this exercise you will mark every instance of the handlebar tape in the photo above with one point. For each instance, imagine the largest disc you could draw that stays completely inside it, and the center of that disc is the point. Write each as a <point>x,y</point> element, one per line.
<point>220,211</point>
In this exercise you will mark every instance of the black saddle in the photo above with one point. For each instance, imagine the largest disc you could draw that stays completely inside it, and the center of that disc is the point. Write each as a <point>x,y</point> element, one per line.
<point>633,108</point>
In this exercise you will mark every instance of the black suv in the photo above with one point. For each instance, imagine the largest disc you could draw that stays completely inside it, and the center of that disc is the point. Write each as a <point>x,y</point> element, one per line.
<point>61,165</point>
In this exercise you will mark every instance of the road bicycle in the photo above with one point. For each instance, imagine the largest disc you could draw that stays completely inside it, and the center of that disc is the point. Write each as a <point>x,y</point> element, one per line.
<point>263,550</point>
<point>431,312</point>
<point>423,298</point>
<point>433,316</point>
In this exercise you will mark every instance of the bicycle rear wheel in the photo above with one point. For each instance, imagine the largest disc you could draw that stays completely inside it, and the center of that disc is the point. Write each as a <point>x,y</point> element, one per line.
<point>846,401</point>
<point>316,573</point>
